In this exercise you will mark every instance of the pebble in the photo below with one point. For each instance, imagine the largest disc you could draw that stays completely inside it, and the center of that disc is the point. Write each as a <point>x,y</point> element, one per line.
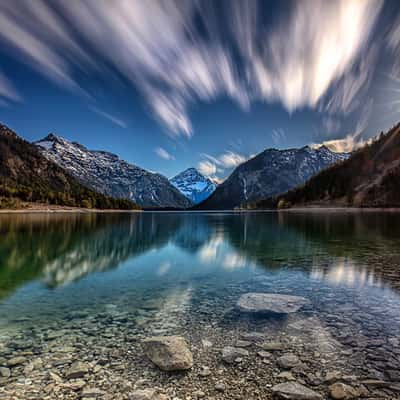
<point>341,391</point>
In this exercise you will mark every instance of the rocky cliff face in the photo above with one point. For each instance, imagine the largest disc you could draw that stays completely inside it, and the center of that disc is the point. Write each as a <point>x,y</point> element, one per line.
<point>192,184</point>
<point>27,176</point>
<point>108,174</point>
<point>270,173</point>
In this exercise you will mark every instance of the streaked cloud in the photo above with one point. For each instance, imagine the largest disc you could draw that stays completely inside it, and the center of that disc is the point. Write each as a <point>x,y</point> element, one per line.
<point>212,166</point>
<point>207,168</point>
<point>7,90</point>
<point>316,55</point>
<point>278,136</point>
<point>162,153</point>
<point>108,116</point>
<point>231,159</point>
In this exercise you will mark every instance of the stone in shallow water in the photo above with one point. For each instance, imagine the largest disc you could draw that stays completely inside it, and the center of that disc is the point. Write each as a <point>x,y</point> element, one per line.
<point>253,336</point>
<point>340,391</point>
<point>77,370</point>
<point>13,362</point>
<point>4,372</point>
<point>272,346</point>
<point>269,302</point>
<point>231,354</point>
<point>294,391</point>
<point>170,353</point>
<point>147,394</point>
<point>92,392</point>
<point>288,361</point>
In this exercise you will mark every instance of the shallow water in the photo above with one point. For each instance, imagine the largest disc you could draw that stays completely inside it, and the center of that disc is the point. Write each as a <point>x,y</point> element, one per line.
<point>96,284</point>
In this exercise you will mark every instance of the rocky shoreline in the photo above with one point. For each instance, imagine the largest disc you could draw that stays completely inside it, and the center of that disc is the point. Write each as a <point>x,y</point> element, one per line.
<point>222,351</point>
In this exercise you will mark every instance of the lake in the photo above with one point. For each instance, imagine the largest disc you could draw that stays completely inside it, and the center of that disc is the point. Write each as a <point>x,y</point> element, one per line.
<point>91,287</point>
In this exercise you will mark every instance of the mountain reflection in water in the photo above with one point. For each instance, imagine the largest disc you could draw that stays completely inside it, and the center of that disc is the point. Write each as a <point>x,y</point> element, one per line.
<point>341,248</point>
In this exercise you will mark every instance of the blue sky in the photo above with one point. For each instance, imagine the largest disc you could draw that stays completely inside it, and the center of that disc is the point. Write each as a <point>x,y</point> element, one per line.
<point>172,84</point>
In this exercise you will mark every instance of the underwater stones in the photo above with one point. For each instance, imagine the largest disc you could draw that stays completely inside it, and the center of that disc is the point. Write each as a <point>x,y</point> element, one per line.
<point>341,391</point>
<point>294,391</point>
<point>220,387</point>
<point>170,353</point>
<point>253,336</point>
<point>147,394</point>
<point>271,346</point>
<point>233,354</point>
<point>288,361</point>
<point>77,370</point>
<point>15,361</point>
<point>4,372</point>
<point>92,392</point>
<point>270,303</point>
<point>242,343</point>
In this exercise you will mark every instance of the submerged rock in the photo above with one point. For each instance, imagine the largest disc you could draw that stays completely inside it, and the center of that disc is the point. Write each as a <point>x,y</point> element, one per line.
<point>295,391</point>
<point>341,391</point>
<point>170,353</point>
<point>13,362</point>
<point>269,302</point>
<point>288,361</point>
<point>232,354</point>
<point>77,370</point>
<point>147,394</point>
<point>5,372</point>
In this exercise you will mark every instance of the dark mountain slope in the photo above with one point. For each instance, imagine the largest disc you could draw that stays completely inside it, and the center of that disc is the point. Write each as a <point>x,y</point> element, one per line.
<point>25,175</point>
<point>369,178</point>
<point>270,173</point>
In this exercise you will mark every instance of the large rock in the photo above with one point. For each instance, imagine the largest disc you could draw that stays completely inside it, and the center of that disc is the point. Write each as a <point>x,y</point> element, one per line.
<point>170,353</point>
<point>295,391</point>
<point>269,302</point>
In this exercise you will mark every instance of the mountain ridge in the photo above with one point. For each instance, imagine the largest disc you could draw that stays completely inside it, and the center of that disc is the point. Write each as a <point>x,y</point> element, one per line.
<point>27,176</point>
<point>369,178</point>
<point>107,173</point>
<point>270,173</point>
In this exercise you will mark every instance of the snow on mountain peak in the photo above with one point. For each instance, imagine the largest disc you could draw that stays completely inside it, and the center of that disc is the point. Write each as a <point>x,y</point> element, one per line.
<point>108,174</point>
<point>192,184</point>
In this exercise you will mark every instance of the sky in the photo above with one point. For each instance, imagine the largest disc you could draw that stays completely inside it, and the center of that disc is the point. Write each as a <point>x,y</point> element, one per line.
<point>169,84</point>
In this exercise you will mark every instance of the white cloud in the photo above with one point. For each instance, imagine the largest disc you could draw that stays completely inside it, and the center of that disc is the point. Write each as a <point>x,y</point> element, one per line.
<point>157,46</point>
<point>207,168</point>
<point>231,159</point>
<point>346,145</point>
<point>108,116</point>
<point>162,153</point>
<point>211,166</point>
<point>7,90</point>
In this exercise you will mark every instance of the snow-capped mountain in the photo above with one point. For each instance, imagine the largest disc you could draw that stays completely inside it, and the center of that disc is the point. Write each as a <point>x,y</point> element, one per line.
<point>108,174</point>
<point>270,173</point>
<point>192,184</point>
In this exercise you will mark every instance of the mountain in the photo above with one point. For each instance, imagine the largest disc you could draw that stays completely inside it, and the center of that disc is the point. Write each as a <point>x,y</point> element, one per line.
<point>192,184</point>
<point>27,176</point>
<point>369,178</point>
<point>270,173</point>
<point>108,174</point>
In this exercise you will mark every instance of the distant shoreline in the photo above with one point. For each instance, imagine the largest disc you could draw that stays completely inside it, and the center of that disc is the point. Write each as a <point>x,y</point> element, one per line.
<point>44,209</point>
<point>47,209</point>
